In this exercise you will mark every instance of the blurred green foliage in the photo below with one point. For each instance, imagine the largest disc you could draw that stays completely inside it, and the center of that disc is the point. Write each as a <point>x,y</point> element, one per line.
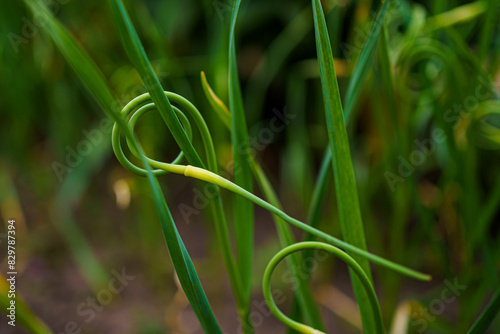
<point>424,143</point>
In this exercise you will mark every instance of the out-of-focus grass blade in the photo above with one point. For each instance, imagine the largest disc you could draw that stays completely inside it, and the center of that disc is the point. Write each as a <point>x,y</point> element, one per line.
<point>71,191</point>
<point>486,35</point>
<point>96,84</point>
<point>23,314</point>
<point>486,216</point>
<point>388,82</point>
<point>81,63</point>
<point>297,147</point>
<point>276,54</point>
<point>345,182</point>
<point>487,316</point>
<point>456,15</point>
<point>364,62</point>
<point>243,210</point>
<point>401,318</point>
<point>285,235</point>
<point>318,196</point>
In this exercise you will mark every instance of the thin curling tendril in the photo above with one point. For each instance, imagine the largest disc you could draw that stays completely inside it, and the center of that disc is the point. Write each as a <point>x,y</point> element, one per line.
<point>136,108</point>
<point>355,267</point>
<point>213,178</point>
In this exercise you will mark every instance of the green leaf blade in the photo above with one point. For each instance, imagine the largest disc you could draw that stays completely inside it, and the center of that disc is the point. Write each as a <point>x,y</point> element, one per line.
<point>94,81</point>
<point>244,225</point>
<point>137,55</point>
<point>345,183</point>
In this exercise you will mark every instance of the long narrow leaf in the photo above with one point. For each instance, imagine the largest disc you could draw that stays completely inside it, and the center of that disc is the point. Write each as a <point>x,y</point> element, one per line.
<point>243,210</point>
<point>345,182</point>
<point>354,87</point>
<point>285,234</point>
<point>96,84</point>
<point>139,58</point>
<point>364,61</point>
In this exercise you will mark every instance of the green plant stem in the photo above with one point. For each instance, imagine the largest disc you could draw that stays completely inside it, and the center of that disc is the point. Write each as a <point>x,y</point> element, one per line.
<point>94,81</point>
<point>207,176</point>
<point>353,265</point>
<point>243,210</point>
<point>137,55</point>
<point>345,183</point>
<point>222,232</point>
<point>285,235</point>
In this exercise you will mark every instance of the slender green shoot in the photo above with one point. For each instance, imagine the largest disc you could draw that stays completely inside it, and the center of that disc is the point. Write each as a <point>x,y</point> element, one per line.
<point>354,266</point>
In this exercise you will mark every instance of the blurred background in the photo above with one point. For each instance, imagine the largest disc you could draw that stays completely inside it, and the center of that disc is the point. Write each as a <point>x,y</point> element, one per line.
<point>425,156</point>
